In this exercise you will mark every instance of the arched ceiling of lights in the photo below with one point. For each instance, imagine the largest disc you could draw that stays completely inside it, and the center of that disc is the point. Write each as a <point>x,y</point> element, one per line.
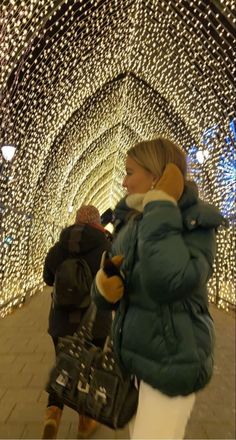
<point>81,82</point>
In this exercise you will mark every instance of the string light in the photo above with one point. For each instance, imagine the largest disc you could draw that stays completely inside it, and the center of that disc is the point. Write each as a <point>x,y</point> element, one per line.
<point>81,82</point>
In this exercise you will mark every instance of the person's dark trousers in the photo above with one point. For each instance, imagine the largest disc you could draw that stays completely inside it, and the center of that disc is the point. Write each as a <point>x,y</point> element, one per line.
<point>53,400</point>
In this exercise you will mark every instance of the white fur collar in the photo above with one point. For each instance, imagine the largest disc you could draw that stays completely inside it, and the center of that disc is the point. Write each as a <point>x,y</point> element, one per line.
<point>138,201</point>
<point>135,201</point>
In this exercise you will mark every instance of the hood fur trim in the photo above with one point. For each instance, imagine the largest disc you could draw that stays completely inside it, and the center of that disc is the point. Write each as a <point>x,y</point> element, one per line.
<point>135,201</point>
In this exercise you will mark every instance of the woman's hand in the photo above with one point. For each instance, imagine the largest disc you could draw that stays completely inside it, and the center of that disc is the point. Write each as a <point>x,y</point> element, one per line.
<point>169,187</point>
<point>109,281</point>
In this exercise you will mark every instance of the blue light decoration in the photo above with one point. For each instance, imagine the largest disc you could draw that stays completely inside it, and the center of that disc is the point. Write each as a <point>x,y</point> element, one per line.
<point>198,156</point>
<point>232,128</point>
<point>226,173</point>
<point>193,164</point>
<point>8,240</point>
<point>225,165</point>
<point>209,136</point>
<point>226,179</point>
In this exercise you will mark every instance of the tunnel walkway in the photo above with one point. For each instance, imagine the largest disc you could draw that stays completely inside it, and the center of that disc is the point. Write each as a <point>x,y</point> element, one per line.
<point>26,355</point>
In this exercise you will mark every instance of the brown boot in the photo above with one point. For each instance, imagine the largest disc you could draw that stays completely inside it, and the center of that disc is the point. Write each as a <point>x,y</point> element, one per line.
<point>87,427</point>
<point>52,421</point>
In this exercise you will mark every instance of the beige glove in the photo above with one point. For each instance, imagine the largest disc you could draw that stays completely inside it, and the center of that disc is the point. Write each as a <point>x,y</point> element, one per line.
<point>169,187</point>
<point>109,281</point>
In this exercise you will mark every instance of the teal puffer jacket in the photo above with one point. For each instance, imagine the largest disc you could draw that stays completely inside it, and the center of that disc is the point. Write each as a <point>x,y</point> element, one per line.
<point>162,330</point>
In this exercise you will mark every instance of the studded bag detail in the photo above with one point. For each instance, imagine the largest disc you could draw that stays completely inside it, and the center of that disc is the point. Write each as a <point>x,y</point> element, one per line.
<point>90,380</point>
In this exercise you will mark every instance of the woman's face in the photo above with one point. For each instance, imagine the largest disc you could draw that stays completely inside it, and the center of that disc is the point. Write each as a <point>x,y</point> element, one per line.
<point>137,179</point>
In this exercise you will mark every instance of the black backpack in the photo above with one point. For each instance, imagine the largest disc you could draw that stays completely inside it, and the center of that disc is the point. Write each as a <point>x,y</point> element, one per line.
<point>73,280</point>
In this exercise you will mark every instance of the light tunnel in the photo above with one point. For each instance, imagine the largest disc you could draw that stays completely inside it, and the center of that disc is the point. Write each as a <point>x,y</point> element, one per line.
<point>81,82</point>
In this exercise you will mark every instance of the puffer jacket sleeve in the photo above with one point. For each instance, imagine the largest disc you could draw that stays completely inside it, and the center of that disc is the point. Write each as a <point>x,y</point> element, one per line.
<point>172,264</point>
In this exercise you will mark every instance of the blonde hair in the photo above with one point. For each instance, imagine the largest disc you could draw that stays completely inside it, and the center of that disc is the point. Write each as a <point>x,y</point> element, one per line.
<point>155,154</point>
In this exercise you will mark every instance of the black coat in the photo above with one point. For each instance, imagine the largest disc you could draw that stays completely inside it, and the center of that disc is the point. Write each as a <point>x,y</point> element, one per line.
<point>89,242</point>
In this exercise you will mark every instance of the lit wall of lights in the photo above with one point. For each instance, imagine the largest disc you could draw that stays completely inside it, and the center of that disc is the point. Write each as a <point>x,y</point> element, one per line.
<point>81,82</point>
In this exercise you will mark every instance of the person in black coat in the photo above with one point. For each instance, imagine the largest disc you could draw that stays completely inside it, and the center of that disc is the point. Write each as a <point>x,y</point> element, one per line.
<point>87,239</point>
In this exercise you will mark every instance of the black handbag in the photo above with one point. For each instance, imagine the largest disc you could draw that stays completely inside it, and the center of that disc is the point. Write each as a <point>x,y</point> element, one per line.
<point>90,380</point>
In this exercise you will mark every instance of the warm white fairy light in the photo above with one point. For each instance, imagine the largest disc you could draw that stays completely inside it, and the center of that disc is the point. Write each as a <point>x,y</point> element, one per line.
<point>73,118</point>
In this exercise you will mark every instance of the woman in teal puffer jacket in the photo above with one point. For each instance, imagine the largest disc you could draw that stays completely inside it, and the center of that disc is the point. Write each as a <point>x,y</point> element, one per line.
<point>165,251</point>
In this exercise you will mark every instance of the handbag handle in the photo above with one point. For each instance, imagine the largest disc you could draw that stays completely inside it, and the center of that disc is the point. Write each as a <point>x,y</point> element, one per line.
<point>85,329</point>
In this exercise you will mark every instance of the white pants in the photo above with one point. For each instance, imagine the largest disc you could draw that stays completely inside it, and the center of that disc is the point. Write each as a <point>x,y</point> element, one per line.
<point>159,416</point>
